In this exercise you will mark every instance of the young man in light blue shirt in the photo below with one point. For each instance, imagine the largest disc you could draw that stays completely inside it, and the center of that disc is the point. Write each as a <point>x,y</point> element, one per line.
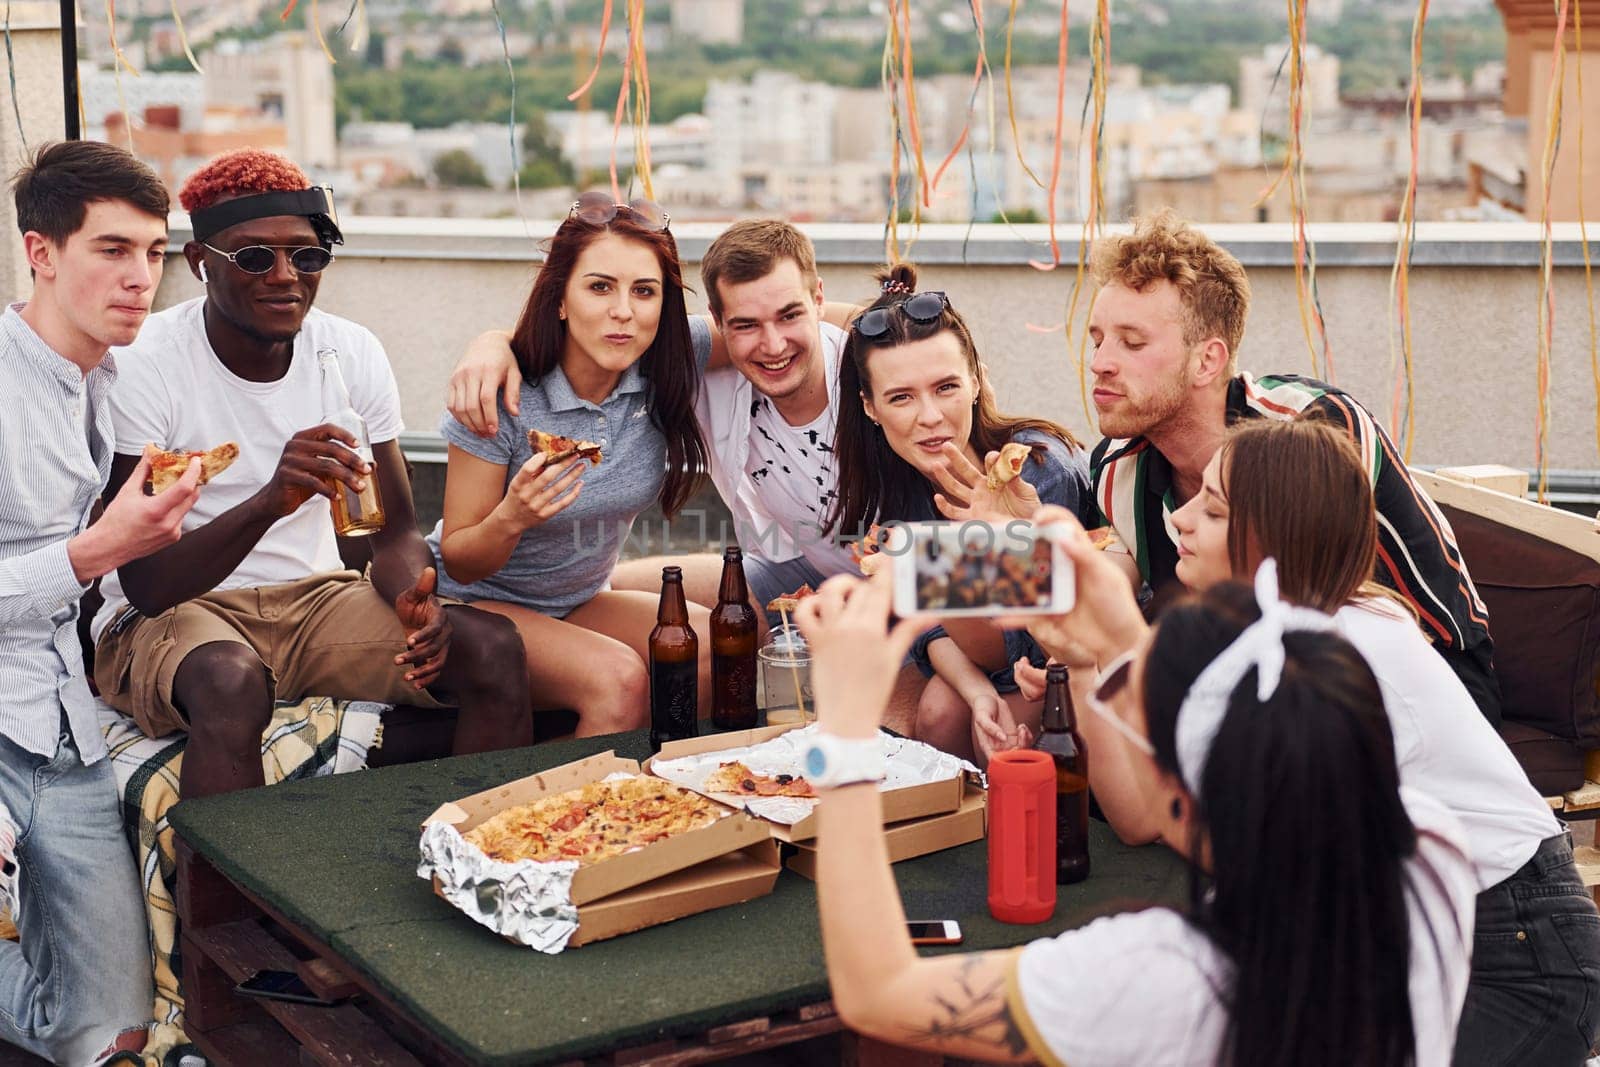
<point>77,988</point>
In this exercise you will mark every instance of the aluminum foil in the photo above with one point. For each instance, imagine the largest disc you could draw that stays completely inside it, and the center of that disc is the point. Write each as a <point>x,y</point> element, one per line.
<point>527,901</point>
<point>908,763</point>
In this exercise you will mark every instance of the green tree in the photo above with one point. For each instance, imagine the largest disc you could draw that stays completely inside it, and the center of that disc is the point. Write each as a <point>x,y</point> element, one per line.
<point>458,169</point>
<point>543,165</point>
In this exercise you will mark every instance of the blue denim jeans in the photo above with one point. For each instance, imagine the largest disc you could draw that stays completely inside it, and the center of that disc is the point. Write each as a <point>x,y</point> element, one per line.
<point>80,975</point>
<point>1534,996</point>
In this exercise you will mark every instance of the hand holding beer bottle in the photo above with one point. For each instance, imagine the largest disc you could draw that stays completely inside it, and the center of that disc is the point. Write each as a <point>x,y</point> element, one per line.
<point>357,508</point>
<point>313,462</point>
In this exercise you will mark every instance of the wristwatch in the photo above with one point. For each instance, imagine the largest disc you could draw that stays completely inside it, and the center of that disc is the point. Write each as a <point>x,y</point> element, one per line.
<point>831,760</point>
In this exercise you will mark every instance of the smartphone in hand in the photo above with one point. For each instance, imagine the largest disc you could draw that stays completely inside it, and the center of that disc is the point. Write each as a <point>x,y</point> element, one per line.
<point>978,569</point>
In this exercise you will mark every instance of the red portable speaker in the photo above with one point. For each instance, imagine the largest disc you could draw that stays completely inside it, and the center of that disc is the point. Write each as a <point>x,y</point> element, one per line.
<point>1022,836</point>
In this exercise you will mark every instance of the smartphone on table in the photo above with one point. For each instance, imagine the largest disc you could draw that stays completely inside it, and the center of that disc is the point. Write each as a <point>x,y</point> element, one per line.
<point>934,932</point>
<point>978,569</point>
<point>280,985</point>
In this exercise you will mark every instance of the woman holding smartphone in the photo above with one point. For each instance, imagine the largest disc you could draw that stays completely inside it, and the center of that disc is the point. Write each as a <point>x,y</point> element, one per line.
<point>916,428</point>
<point>608,355</point>
<point>1331,910</point>
<point>1535,988</point>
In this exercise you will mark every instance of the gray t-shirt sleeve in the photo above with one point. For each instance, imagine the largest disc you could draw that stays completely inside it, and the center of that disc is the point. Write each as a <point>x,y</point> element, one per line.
<point>700,340</point>
<point>497,449</point>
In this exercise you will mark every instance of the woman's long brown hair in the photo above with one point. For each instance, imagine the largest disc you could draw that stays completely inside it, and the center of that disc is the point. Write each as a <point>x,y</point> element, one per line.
<point>668,365</point>
<point>875,484</point>
<point>1298,493</point>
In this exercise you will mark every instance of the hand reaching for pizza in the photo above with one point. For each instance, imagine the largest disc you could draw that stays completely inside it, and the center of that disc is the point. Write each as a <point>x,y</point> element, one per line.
<point>428,630</point>
<point>998,495</point>
<point>311,462</point>
<point>855,657</point>
<point>536,494</point>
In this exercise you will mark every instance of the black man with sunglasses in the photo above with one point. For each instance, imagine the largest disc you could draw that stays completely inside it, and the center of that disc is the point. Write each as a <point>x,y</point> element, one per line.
<point>253,603</point>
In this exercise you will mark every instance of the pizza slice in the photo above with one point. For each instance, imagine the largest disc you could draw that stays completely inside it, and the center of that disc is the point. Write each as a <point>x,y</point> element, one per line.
<point>734,777</point>
<point>1007,465</point>
<point>167,467</point>
<point>792,600</point>
<point>558,449</point>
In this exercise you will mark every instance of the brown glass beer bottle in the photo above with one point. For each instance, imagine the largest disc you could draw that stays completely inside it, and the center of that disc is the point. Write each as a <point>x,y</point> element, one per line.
<point>733,649</point>
<point>1060,738</point>
<point>674,666</point>
<point>354,514</point>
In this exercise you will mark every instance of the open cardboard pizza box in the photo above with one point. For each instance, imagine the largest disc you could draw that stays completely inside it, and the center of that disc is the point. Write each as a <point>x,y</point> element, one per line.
<point>917,837</point>
<point>731,861</point>
<point>899,805</point>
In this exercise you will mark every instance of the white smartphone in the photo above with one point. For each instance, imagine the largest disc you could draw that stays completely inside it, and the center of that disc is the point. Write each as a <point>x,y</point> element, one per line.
<point>977,569</point>
<point>934,932</point>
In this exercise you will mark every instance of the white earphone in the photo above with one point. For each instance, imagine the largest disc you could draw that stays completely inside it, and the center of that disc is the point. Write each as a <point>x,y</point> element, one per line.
<point>203,279</point>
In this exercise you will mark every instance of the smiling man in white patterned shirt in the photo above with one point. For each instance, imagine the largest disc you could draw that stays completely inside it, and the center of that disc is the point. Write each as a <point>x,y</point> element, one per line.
<point>94,227</point>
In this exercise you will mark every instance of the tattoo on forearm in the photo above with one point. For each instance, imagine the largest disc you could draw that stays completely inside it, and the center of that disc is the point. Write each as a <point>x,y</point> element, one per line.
<point>978,1011</point>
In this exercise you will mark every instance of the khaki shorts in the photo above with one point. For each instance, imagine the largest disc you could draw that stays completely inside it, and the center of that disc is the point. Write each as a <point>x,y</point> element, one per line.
<point>325,635</point>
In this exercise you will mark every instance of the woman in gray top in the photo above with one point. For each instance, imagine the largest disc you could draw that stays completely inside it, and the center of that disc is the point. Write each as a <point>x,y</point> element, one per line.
<point>607,355</point>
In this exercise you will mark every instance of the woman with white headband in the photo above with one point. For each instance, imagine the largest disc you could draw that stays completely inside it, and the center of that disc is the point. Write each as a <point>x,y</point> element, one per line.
<point>1331,912</point>
<point>1534,997</point>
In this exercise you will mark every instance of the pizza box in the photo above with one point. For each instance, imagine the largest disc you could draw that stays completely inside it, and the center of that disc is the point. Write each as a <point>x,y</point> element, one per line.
<point>715,883</point>
<point>611,876</point>
<point>917,837</point>
<point>908,802</point>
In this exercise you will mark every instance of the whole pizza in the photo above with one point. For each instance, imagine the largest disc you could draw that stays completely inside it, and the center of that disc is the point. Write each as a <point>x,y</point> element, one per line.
<point>594,822</point>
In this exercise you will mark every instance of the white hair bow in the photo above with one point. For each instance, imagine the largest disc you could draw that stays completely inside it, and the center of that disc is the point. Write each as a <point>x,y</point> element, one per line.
<point>1259,646</point>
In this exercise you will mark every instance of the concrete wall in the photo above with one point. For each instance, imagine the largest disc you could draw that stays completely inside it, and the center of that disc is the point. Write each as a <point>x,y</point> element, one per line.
<point>427,286</point>
<point>36,45</point>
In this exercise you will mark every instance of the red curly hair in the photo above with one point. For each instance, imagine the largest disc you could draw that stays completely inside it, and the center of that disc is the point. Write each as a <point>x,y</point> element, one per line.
<point>241,172</point>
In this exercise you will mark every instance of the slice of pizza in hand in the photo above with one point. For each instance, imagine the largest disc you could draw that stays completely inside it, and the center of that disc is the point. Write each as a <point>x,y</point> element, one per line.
<point>1007,465</point>
<point>791,600</point>
<point>558,449</point>
<point>736,778</point>
<point>167,467</point>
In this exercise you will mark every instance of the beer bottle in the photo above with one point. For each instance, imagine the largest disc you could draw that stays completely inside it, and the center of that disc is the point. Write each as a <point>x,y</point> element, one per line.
<point>1060,738</point>
<point>354,514</point>
<point>674,666</point>
<point>733,649</point>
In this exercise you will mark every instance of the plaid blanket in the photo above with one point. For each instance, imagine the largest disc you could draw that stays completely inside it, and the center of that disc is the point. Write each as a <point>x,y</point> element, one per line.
<point>315,737</point>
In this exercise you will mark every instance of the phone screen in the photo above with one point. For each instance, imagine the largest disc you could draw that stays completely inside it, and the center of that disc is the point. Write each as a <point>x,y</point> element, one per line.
<point>978,568</point>
<point>936,932</point>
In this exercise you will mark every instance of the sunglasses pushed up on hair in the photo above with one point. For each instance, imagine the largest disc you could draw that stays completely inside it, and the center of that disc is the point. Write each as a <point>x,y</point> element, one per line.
<point>597,209</point>
<point>260,259</point>
<point>921,308</point>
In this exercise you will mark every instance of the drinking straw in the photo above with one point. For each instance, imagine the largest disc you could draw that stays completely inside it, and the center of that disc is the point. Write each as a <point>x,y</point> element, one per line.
<point>794,669</point>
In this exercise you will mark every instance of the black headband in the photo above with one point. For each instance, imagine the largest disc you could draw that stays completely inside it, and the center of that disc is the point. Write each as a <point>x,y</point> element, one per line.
<point>315,203</point>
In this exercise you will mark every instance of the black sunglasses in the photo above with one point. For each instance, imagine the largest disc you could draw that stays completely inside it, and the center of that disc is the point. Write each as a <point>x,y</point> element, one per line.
<point>597,209</point>
<point>260,259</point>
<point>920,308</point>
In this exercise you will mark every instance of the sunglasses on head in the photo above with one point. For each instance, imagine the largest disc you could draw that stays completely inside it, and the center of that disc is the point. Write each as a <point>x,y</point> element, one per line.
<point>1112,681</point>
<point>260,259</point>
<point>597,209</point>
<point>919,307</point>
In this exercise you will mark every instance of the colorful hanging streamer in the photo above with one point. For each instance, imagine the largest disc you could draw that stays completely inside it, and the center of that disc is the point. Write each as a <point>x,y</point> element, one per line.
<point>1402,421</point>
<point>1583,228</point>
<point>1547,290</point>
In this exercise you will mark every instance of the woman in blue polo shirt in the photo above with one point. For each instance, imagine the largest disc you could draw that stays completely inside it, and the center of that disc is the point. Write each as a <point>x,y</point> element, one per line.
<point>608,354</point>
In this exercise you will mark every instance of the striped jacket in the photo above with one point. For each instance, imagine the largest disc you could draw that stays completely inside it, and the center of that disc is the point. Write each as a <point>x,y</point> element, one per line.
<point>1417,552</point>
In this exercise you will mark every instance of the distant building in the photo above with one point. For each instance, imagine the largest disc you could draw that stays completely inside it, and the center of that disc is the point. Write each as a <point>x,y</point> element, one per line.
<point>774,119</point>
<point>1264,82</point>
<point>286,76</point>
<point>709,21</point>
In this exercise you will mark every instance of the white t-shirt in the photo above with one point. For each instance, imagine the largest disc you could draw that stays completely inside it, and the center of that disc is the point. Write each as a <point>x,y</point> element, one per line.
<point>1444,746</point>
<point>1147,987</point>
<point>728,408</point>
<point>172,390</point>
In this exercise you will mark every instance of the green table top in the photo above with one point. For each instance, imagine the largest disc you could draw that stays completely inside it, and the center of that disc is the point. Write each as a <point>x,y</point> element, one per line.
<point>338,857</point>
